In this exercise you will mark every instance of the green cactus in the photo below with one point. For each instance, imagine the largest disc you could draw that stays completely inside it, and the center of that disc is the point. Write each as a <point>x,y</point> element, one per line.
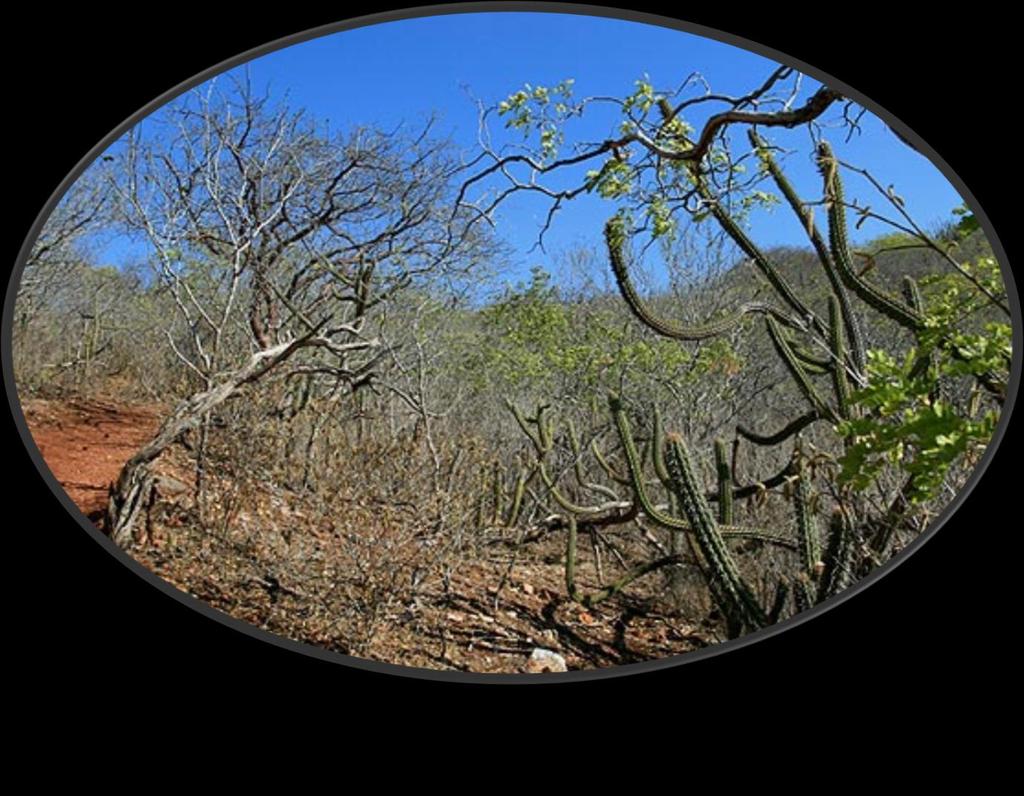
<point>518,493</point>
<point>614,238</point>
<point>496,494</point>
<point>605,465</point>
<point>807,531</point>
<point>739,603</point>
<point>814,365</point>
<point>782,589</point>
<point>724,474</point>
<point>818,356</point>
<point>804,596</point>
<point>791,429</point>
<point>835,575</point>
<point>819,576</point>
<point>570,559</point>
<point>850,320</point>
<point>638,484</point>
<point>760,259</point>
<point>798,371</point>
<point>840,249</point>
<point>838,365</point>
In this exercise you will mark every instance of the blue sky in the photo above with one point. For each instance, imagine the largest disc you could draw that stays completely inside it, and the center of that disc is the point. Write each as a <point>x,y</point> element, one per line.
<point>406,70</point>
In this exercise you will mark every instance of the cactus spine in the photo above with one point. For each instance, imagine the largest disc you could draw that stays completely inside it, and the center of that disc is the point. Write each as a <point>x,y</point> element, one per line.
<point>807,531</point>
<point>836,570</point>
<point>840,383</point>
<point>840,249</point>
<point>850,320</point>
<point>740,604</point>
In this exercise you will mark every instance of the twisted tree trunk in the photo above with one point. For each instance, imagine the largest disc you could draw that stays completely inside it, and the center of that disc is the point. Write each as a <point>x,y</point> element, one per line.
<point>135,482</point>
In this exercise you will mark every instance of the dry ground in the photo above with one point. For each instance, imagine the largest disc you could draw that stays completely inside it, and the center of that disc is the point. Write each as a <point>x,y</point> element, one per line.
<point>85,444</point>
<point>378,593</point>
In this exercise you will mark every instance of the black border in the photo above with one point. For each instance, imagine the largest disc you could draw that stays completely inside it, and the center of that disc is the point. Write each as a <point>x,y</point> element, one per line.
<point>942,585</point>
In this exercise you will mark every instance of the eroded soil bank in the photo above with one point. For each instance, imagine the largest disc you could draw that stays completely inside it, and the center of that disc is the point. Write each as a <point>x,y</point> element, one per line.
<point>85,444</point>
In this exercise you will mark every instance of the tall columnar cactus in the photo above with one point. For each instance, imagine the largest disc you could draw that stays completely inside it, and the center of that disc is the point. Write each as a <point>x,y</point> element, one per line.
<point>840,248</point>
<point>723,472</point>
<point>823,358</point>
<point>733,594</point>
<point>809,543</point>
<point>518,493</point>
<point>908,314</point>
<point>497,494</point>
<point>850,319</point>
<point>738,600</point>
<point>836,566</point>
<point>820,574</point>
<point>838,365</point>
<point>798,372</point>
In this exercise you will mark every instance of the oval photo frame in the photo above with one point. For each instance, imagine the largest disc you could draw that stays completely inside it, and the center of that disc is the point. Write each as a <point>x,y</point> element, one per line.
<point>715,649</point>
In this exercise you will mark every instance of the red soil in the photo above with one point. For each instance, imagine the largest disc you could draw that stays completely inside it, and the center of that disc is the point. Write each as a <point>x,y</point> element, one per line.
<point>85,444</point>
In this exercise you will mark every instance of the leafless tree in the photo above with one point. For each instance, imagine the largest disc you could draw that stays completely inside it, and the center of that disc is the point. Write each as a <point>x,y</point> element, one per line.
<point>274,236</point>
<point>61,247</point>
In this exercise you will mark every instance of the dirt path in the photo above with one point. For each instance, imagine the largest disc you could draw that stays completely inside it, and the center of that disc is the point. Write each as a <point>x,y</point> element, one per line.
<point>85,444</point>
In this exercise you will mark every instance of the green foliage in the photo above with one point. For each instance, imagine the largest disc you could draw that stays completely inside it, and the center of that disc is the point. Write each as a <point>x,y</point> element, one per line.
<point>968,223</point>
<point>534,338</point>
<point>904,427</point>
<point>652,185</point>
<point>882,243</point>
<point>907,421</point>
<point>660,215</point>
<point>530,323</point>
<point>525,105</point>
<point>950,301</point>
<point>539,109</point>
<point>914,416</point>
<point>613,181</point>
<point>643,98</point>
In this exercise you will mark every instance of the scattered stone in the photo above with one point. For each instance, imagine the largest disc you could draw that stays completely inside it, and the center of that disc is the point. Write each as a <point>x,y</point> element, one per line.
<point>455,616</point>
<point>528,588</point>
<point>542,660</point>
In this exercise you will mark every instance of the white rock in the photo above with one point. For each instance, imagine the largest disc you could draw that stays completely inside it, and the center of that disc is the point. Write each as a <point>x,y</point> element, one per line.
<point>542,660</point>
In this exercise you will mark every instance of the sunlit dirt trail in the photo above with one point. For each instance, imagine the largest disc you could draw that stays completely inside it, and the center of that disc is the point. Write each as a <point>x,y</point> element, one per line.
<point>85,444</point>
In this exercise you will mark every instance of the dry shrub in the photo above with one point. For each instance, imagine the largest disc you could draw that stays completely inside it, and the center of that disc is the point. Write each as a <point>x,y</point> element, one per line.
<point>326,561</point>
